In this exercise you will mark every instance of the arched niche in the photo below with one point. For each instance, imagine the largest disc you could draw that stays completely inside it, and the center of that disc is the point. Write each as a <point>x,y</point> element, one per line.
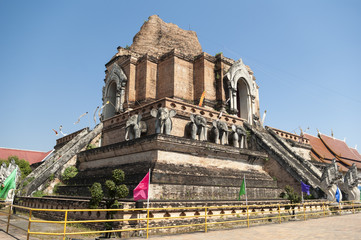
<point>109,109</point>
<point>243,99</point>
<point>241,91</point>
<point>114,92</point>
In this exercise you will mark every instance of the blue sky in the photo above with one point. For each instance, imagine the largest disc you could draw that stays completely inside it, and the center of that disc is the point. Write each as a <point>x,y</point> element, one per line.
<point>306,56</point>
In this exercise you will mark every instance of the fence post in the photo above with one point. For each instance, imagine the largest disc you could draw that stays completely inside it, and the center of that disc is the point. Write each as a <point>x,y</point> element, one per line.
<point>29,224</point>
<point>279,213</point>
<point>304,212</point>
<point>247,216</point>
<point>205,219</point>
<point>9,214</point>
<point>147,223</point>
<point>324,211</point>
<point>65,219</point>
<point>353,209</point>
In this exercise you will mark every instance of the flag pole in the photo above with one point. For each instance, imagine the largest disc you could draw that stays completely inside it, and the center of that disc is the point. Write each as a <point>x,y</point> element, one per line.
<point>12,200</point>
<point>302,195</point>
<point>148,189</point>
<point>245,187</point>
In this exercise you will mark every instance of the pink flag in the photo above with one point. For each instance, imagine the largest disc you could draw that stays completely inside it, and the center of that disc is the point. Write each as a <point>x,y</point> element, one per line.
<point>141,191</point>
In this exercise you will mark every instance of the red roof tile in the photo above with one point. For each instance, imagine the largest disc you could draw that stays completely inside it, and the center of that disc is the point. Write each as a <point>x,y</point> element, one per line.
<point>319,148</point>
<point>341,167</point>
<point>321,153</point>
<point>338,147</point>
<point>30,156</point>
<point>357,154</point>
<point>341,150</point>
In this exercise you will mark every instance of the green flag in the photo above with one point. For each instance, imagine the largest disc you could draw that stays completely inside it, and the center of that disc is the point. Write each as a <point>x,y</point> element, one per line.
<point>242,190</point>
<point>8,184</point>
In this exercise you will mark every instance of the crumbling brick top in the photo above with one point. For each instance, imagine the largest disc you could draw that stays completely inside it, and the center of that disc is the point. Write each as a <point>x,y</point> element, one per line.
<point>157,38</point>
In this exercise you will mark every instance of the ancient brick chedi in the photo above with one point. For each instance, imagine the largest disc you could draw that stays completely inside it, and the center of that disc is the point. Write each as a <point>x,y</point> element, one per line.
<point>166,61</point>
<point>193,119</point>
<point>152,119</point>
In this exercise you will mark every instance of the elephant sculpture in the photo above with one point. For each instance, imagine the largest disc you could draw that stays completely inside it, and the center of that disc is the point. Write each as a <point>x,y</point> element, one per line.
<point>239,136</point>
<point>220,132</point>
<point>163,123</point>
<point>134,127</point>
<point>198,126</point>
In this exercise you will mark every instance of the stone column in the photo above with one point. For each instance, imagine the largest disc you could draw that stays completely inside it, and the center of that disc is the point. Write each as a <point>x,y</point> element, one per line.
<point>122,95</point>
<point>118,106</point>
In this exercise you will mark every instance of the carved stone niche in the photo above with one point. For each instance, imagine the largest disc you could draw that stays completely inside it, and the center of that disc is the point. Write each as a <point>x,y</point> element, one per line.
<point>241,90</point>
<point>114,92</point>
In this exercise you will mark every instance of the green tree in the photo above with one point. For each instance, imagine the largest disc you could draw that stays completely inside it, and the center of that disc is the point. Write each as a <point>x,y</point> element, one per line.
<point>69,173</point>
<point>97,195</point>
<point>114,190</point>
<point>292,196</point>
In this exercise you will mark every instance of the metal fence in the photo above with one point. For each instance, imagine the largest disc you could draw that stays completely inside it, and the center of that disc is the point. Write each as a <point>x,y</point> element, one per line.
<point>160,220</point>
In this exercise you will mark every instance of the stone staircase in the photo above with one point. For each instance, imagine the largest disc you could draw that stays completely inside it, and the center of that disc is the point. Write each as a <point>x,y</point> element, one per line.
<point>59,158</point>
<point>298,167</point>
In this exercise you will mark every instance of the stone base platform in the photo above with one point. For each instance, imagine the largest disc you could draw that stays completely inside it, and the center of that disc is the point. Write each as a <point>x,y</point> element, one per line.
<point>182,169</point>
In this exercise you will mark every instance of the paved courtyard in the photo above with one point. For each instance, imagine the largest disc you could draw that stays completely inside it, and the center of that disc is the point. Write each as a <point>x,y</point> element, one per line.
<point>337,227</point>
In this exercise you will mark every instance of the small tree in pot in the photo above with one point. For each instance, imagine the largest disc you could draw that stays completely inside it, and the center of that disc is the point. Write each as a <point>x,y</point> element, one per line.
<point>292,196</point>
<point>114,190</point>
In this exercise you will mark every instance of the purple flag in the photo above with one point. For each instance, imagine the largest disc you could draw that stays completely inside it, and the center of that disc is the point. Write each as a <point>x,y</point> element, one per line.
<point>305,188</point>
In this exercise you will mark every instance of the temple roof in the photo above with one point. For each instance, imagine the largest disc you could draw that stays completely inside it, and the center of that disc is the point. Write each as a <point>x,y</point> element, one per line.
<point>28,155</point>
<point>356,152</point>
<point>321,153</point>
<point>338,147</point>
<point>326,148</point>
<point>319,148</point>
<point>341,151</point>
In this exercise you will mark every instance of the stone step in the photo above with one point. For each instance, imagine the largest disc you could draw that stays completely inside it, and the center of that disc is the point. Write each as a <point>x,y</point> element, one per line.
<point>51,168</point>
<point>295,166</point>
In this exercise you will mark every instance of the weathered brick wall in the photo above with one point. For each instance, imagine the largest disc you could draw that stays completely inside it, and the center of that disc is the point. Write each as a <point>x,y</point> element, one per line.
<point>181,168</point>
<point>165,84</point>
<point>198,78</point>
<point>283,178</point>
<point>209,80</point>
<point>141,79</point>
<point>151,80</point>
<point>173,75</point>
<point>183,79</point>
